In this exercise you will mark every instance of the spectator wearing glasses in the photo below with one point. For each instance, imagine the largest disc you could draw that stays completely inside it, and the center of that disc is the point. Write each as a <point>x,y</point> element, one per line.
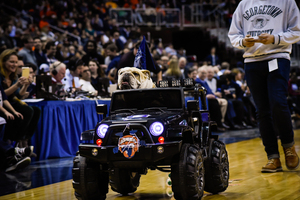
<point>26,52</point>
<point>85,81</point>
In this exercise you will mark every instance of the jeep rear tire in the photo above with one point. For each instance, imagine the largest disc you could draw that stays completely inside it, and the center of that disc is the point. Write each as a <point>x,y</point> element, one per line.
<point>124,181</point>
<point>216,168</point>
<point>89,182</point>
<point>187,173</point>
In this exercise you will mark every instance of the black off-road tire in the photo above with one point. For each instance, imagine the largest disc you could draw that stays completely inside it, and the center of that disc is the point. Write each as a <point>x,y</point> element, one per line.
<point>216,168</point>
<point>124,181</point>
<point>187,173</point>
<point>89,182</point>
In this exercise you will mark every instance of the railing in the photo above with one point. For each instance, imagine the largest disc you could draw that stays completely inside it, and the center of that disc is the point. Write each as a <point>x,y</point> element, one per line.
<point>123,16</point>
<point>69,34</point>
<point>202,15</point>
<point>194,15</point>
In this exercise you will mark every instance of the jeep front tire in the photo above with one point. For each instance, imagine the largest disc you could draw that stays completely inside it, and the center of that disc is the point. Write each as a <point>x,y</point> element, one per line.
<point>89,181</point>
<point>187,173</point>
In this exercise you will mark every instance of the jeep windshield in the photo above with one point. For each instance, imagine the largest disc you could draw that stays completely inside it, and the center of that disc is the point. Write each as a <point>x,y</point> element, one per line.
<point>158,98</point>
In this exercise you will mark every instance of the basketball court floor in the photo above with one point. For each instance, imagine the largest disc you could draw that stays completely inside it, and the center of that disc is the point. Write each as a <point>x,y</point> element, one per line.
<point>52,178</point>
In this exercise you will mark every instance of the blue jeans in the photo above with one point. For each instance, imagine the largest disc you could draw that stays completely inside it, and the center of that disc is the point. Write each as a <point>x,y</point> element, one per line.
<point>269,90</point>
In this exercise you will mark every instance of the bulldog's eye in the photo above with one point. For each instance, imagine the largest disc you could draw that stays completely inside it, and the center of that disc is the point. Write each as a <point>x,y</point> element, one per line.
<point>136,74</point>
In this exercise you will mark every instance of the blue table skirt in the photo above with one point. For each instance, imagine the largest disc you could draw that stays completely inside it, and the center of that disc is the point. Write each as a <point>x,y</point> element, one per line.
<point>60,126</point>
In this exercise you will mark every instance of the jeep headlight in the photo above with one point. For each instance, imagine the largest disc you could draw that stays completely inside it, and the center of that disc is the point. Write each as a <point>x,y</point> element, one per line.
<point>101,130</point>
<point>156,128</point>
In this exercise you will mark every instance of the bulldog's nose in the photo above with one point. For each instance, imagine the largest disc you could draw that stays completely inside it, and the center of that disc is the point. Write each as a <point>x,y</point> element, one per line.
<point>126,77</point>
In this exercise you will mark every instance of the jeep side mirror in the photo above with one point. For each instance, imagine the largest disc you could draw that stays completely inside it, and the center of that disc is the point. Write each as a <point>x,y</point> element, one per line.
<point>193,105</point>
<point>102,109</point>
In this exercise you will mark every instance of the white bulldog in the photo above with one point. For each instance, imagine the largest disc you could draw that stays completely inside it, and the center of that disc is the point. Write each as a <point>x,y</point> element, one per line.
<point>134,78</point>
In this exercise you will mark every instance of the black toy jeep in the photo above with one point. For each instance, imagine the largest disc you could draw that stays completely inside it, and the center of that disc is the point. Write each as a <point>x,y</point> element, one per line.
<point>152,129</point>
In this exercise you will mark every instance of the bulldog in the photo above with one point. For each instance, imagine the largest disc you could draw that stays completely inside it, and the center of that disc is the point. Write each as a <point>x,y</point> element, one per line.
<point>134,78</point>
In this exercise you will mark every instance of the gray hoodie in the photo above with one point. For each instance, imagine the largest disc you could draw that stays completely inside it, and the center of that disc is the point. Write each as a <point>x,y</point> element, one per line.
<point>280,18</point>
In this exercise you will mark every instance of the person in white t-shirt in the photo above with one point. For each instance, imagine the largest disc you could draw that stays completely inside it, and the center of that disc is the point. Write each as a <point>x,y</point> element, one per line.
<point>85,81</point>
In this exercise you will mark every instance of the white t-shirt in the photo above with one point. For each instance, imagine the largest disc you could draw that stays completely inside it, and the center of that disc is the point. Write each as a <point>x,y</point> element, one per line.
<point>87,86</point>
<point>68,81</point>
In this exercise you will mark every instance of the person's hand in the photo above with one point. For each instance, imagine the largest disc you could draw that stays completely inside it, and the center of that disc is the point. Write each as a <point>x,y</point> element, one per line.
<point>18,114</point>
<point>249,41</point>
<point>218,94</point>
<point>30,79</point>
<point>95,93</point>
<point>210,96</point>
<point>227,92</point>
<point>25,95</point>
<point>9,115</point>
<point>21,81</point>
<point>26,82</point>
<point>266,38</point>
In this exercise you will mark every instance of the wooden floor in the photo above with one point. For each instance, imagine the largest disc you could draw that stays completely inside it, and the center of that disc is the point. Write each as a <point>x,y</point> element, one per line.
<point>246,181</point>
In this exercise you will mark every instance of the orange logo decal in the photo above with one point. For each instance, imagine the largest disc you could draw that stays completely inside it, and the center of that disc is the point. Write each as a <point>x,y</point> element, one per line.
<point>128,145</point>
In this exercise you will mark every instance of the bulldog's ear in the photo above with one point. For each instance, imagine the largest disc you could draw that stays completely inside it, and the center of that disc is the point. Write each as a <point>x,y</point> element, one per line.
<point>147,73</point>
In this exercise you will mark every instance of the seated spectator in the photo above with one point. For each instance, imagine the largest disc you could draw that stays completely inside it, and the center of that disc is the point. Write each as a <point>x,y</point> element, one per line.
<point>164,63</point>
<point>293,89</point>
<point>20,65</point>
<point>58,72</point>
<point>73,72</point>
<point>91,53</point>
<point>213,103</point>
<point>11,85</point>
<point>224,67</point>
<point>50,49</point>
<point>118,41</point>
<point>38,51</point>
<point>173,71</point>
<point>96,73</point>
<point>6,38</point>
<point>233,93</point>
<point>212,83</point>
<point>26,52</point>
<point>246,98</point>
<point>112,51</point>
<point>183,66</point>
<point>62,53</point>
<point>31,90</point>
<point>170,50</point>
<point>160,48</point>
<point>85,81</point>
